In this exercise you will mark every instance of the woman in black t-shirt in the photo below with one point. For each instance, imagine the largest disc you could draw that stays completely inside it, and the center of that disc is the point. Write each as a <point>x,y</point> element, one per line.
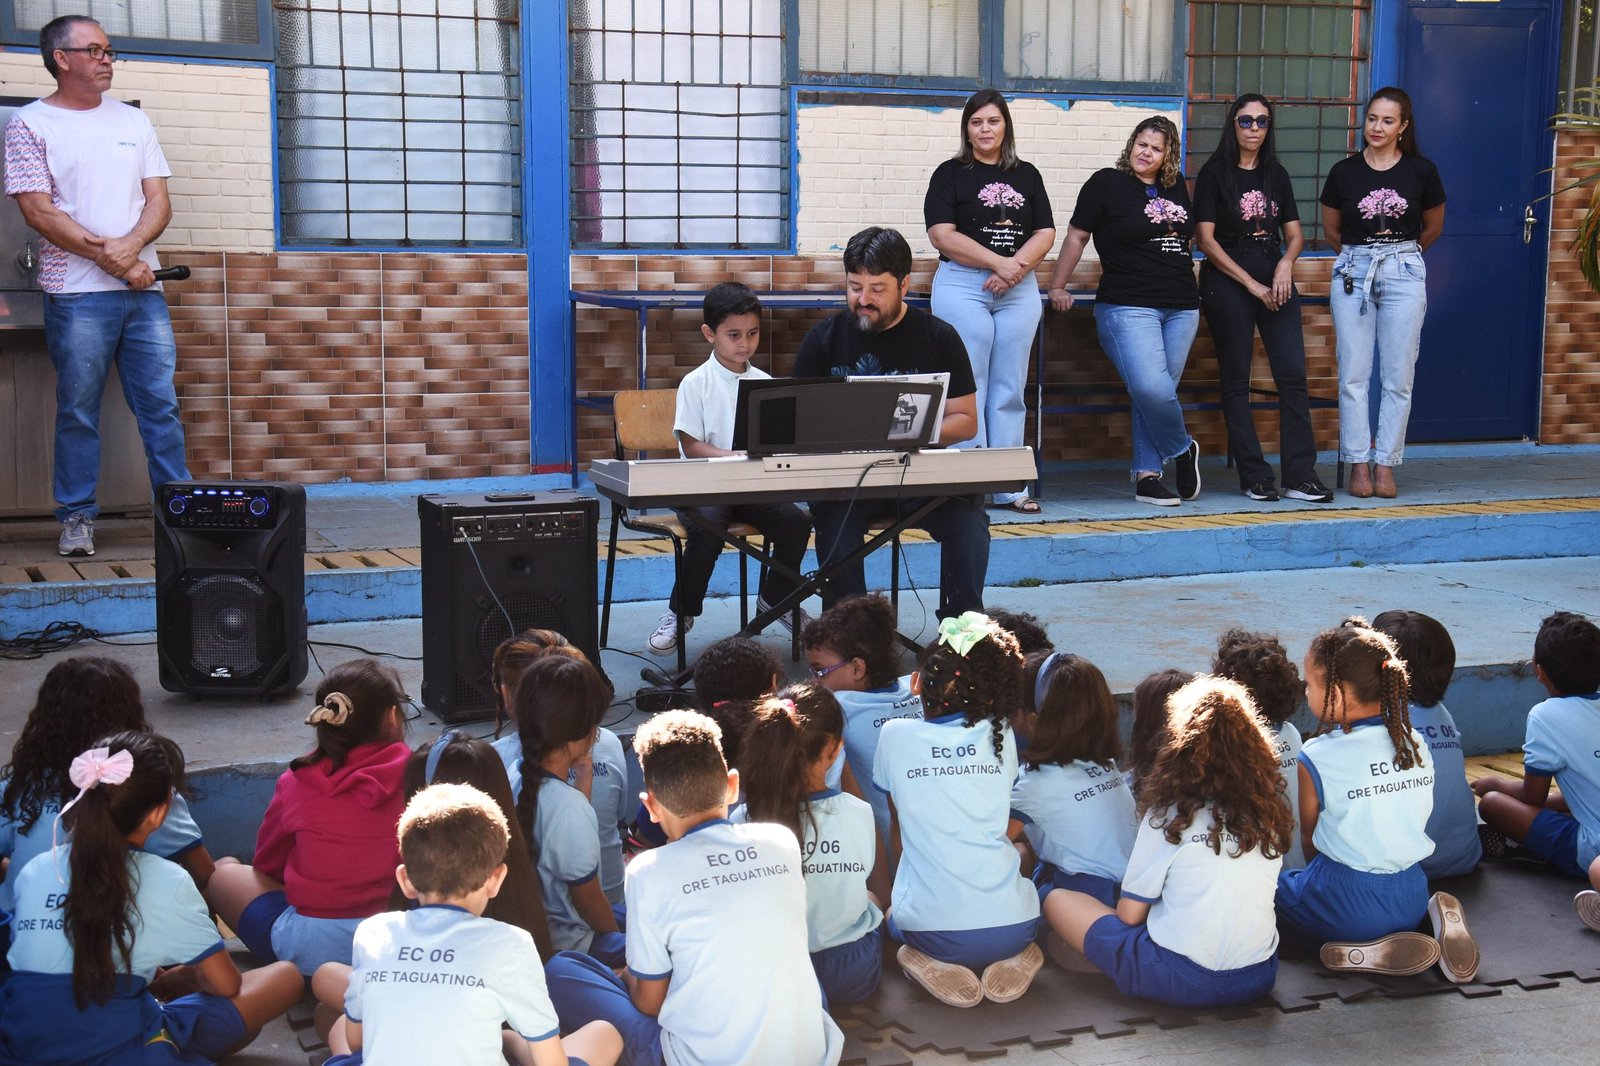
<point>1381,209</point>
<point>988,215</point>
<point>1247,225</point>
<point>1147,309</point>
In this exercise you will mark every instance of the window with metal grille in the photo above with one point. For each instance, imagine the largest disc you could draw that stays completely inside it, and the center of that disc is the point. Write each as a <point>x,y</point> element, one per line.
<point>680,124</point>
<point>399,122</point>
<point>1088,45</point>
<point>1308,56</point>
<point>237,29</point>
<point>1580,65</point>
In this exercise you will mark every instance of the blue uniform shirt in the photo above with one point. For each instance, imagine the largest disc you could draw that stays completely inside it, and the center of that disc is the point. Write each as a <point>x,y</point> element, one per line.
<point>1080,817</point>
<point>1564,743</point>
<point>1286,744</point>
<point>569,855</point>
<point>1373,816</point>
<point>957,868</point>
<point>607,795</point>
<point>1453,825</point>
<point>864,716</point>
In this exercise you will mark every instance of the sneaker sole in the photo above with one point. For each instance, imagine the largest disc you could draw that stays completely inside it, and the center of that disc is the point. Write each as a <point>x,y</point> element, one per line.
<point>1009,979</point>
<point>1458,951</point>
<point>1397,955</point>
<point>952,985</point>
<point>1153,502</point>
<point>74,553</point>
<point>1587,904</point>
<point>1068,957</point>
<point>1306,497</point>
<point>1261,499</point>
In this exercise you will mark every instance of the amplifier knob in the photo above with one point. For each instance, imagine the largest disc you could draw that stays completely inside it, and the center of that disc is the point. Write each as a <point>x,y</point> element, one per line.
<point>258,506</point>
<point>178,504</point>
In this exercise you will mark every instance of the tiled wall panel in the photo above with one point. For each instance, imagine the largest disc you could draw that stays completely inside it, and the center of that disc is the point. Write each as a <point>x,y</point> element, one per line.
<point>1570,409</point>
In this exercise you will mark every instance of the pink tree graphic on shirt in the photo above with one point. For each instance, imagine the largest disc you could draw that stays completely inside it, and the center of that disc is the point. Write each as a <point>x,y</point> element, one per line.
<point>999,194</point>
<point>1161,210</point>
<point>1382,205</point>
<point>1253,208</point>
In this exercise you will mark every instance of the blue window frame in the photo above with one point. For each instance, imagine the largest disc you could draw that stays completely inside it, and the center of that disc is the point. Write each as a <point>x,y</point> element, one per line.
<point>1061,46</point>
<point>199,29</point>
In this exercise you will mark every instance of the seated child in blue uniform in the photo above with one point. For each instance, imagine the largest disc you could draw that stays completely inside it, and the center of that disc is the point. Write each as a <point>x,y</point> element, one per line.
<point>602,776</point>
<point>718,972</point>
<point>1071,800</point>
<point>1195,925</point>
<point>557,705</point>
<point>1563,743</point>
<point>1366,790</point>
<point>1262,665</point>
<point>81,698</point>
<point>85,961</point>
<point>1149,734</point>
<point>789,746</point>
<point>851,649</point>
<point>436,983</point>
<point>1425,647</point>
<point>961,906</point>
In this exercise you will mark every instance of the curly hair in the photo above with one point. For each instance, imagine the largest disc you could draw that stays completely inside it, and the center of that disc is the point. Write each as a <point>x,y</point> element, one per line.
<point>1150,720</point>
<point>1217,756</point>
<point>1029,631</point>
<point>983,685</point>
<point>1076,718</point>
<point>735,668</point>
<point>787,736</point>
<point>1171,161</point>
<point>1259,662</point>
<point>1424,645</point>
<point>1360,664</point>
<point>861,627</point>
<point>81,698</point>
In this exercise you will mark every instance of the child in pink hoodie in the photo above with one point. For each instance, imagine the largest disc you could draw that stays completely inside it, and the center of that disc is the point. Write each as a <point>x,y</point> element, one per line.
<point>326,851</point>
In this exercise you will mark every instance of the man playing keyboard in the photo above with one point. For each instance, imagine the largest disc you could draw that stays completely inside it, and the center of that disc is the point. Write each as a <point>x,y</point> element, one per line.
<point>879,333</point>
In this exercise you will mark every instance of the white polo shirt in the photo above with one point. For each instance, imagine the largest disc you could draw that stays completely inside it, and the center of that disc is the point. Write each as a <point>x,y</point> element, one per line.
<point>707,398</point>
<point>1373,816</point>
<point>864,716</point>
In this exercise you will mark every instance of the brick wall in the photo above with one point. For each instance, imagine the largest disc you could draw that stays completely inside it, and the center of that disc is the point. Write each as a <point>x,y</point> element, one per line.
<point>1570,408</point>
<point>606,345</point>
<point>361,365</point>
<point>869,165</point>
<point>215,126</point>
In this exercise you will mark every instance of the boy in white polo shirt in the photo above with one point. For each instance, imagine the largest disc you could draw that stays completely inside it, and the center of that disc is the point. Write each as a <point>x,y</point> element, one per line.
<point>718,970</point>
<point>435,983</point>
<point>707,399</point>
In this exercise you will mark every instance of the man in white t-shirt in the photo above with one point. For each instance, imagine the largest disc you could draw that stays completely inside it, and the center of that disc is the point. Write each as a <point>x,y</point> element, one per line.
<point>89,176</point>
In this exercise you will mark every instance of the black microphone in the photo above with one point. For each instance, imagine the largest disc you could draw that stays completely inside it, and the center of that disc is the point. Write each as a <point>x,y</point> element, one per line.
<point>175,273</point>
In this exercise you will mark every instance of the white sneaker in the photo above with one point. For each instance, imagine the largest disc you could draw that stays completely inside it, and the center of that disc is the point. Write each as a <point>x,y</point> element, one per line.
<point>77,535</point>
<point>786,620</point>
<point>665,638</point>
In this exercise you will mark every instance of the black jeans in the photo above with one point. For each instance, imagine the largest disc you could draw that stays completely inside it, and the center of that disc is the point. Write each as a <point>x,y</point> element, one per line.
<point>1234,317</point>
<point>783,524</point>
<point>960,525</point>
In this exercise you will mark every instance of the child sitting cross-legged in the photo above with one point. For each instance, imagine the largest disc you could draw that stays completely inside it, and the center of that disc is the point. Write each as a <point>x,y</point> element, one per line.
<point>436,983</point>
<point>718,971</point>
<point>1260,663</point>
<point>1194,926</point>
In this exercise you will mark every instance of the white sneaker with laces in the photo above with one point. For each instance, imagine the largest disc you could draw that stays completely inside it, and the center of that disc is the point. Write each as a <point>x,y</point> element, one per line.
<point>77,535</point>
<point>665,638</point>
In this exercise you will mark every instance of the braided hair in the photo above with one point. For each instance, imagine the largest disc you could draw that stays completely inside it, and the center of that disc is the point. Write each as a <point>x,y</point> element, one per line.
<point>983,685</point>
<point>1363,665</point>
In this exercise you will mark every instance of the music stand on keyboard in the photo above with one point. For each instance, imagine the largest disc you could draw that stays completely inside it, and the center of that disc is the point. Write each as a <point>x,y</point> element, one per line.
<point>828,416</point>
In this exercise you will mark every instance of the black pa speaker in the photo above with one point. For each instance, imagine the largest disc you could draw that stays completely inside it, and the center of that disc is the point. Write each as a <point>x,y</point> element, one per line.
<point>231,587</point>
<point>493,566</point>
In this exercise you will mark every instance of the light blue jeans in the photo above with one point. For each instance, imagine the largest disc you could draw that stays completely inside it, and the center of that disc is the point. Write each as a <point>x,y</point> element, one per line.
<point>998,332</point>
<point>86,332</point>
<point>1149,347</point>
<point>1381,318</point>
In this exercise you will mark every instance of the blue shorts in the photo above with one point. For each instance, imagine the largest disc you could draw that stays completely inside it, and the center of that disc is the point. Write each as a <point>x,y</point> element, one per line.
<point>273,930</point>
<point>1047,877</point>
<point>848,973</point>
<point>1330,901</point>
<point>583,991</point>
<point>44,1025</point>
<point>972,948</point>
<point>1553,837</point>
<point>1144,969</point>
<point>354,1059</point>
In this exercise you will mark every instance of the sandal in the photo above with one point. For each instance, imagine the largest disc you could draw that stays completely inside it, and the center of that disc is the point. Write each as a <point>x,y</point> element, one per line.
<point>1021,505</point>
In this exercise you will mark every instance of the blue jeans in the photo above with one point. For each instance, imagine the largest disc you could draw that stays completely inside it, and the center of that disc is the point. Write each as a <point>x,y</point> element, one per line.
<point>86,332</point>
<point>959,525</point>
<point>998,332</point>
<point>1381,318</point>
<point>1149,347</point>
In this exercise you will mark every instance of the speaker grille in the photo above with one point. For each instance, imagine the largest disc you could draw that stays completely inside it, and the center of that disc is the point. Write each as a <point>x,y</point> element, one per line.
<point>231,617</point>
<point>472,692</point>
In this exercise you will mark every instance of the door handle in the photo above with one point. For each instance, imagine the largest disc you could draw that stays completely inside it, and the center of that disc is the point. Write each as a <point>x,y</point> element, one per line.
<point>1529,220</point>
<point>26,259</point>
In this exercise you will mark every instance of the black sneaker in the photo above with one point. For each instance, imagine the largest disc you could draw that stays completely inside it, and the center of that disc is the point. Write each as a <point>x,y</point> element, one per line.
<point>1312,491</point>
<point>1261,490</point>
<point>1149,489</point>
<point>1188,471</point>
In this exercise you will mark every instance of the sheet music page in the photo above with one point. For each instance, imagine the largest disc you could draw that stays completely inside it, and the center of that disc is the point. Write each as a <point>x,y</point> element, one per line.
<point>911,406</point>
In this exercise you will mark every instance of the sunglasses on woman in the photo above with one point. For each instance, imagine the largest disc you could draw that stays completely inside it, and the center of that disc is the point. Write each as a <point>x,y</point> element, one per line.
<point>1260,122</point>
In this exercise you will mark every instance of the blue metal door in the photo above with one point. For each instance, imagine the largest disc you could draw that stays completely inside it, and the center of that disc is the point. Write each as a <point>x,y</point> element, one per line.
<point>1482,81</point>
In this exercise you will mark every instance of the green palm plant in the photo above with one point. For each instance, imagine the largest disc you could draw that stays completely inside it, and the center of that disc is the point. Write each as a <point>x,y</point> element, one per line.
<point>1585,113</point>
